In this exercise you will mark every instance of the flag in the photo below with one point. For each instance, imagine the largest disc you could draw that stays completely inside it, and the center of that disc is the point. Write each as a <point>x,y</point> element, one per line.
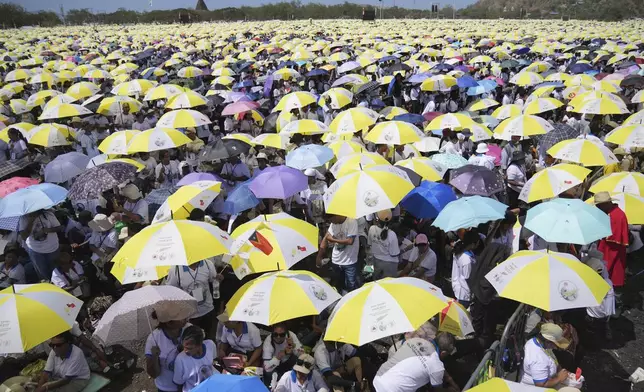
<point>260,242</point>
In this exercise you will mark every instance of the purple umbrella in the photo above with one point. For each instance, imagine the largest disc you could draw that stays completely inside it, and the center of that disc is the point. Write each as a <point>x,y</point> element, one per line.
<point>268,86</point>
<point>278,182</point>
<point>476,180</point>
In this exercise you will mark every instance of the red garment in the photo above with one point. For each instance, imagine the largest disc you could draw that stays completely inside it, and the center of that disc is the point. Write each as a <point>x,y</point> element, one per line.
<point>614,247</point>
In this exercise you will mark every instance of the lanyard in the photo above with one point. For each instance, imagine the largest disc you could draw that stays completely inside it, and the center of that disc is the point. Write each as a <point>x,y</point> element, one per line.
<point>194,277</point>
<point>547,352</point>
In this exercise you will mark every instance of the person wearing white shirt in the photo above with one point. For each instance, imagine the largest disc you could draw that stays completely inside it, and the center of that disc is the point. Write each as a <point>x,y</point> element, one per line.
<point>161,348</point>
<point>342,235</point>
<point>196,280</point>
<point>228,125</point>
<point>135,209</point>
<point>416,364</point>
<point>430,107</point>
<point>39,231</point>
<point>451,147</point>
<point>141,123</point>
<point>462,267</point>
<point>480,159</point>
<point>87,143</point>
<point>422,260</point>
<point>383,247</point>
<point>124,118</point>
<point>11,271</point>
<point>66,369</point>
<point>235,171</point>
<point>507,99</point>
<point>69,275</point>
<point>167,172</point>
<point>303,378</point>
<point>508,149</point>
<point>150,164</point>
<point>239,337</point>
<point>195,363</point>
<point>516,177</point>
<point>338,363</point>
<point>600,315</point>
<point>103,241</point>
<point>280,350</point>
<point>540,367</point>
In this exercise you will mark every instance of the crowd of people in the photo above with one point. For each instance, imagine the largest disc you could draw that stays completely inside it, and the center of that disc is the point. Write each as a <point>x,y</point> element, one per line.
<point>72,244</point>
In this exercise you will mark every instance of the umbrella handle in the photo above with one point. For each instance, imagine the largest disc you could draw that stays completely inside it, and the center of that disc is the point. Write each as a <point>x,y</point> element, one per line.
<point>150,325</point>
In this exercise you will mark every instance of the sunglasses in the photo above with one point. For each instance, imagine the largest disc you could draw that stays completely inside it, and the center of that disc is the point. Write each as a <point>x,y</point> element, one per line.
<point>279,335</point>
<point>307,365</point>
<point>55,345</point>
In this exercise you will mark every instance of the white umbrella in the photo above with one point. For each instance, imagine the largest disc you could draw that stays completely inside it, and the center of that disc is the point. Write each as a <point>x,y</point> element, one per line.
<point>128,318</point>
<point>65,167</point>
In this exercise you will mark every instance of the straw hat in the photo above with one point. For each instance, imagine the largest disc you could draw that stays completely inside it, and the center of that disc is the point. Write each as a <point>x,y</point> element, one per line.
<point>301,361</point>
<point>554,334</point>
<point>101,223</point>
<point>602,197</point>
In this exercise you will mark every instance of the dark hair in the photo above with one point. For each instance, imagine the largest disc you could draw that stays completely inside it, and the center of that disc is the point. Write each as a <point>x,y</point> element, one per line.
<point>193,333</point>
<point>66,336</point>
<point>384,233</point>
<point>469,238</point>
<point>197,215</point>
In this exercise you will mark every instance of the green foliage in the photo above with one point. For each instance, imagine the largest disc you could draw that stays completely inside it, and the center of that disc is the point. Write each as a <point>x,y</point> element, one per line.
<point>14,15</point>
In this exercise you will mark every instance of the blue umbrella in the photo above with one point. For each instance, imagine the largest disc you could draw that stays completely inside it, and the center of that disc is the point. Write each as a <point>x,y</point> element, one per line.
<point>32,198</point>
<point>285,64</point>
<point>419,78</point>
<point>476,90</point>
<point>466,81</point>
<point>317,72</point>
<point>489,84</point>
<point>240,199</point>
<point>231,383</point>
<point>443,67</point>
<point>309,156</point>
<point>579,68</point>
<point>569,221</point>
<point>427,200</point>
<point>469,212</point>
<point>411,118</point>
<point>245,83</point>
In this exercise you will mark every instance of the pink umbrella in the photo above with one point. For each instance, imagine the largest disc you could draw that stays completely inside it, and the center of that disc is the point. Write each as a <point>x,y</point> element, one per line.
<point>13,184</point>
<point>429,116</point>
<point>239,107</point>
<point>495,152</point>
<point>498,81</point>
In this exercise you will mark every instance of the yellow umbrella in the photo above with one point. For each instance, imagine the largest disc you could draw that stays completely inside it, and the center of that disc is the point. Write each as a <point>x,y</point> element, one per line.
<point>628,182</point>
<point>356,161</point>
<point>353,120</point>
<point>394,133</point>
<point>507,111</point>
<point>342,148</point>
<point>128,275</point>
<point>23,127</point>
<point>426,168</point>
<point>50,135</point>
<point>117,142</point>
<point>156,139</point>
<point>552,181</point>
<point>627,135</point>
<point>180,204</point>
<point>33,313</point>
<point>275,140</point>
<point>497,384</point>
<point>482,104</point>
<point>632,205</point>
<point>585,151</point>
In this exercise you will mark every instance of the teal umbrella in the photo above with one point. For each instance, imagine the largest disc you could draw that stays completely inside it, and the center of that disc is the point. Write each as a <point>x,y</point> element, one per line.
<point>469,212</point>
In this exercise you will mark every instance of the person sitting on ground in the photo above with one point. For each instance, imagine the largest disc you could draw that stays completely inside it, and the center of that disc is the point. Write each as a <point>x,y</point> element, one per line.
<point>339,364</point>
<point>416,364</point>
<point>239,337</point>
<point>540,367</point>
<point>135,209</point>
<point>422,260</point>
<point>303,378</point>
<point>11,271</point>
<point>66,369</point>
<point>195,363</point>
<point>69,274</point>
<point>280,351</point>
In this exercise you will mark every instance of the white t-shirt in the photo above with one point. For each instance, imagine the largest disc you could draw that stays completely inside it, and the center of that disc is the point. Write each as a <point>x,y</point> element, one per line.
<point>59,279</point>
<point>539,364</point>
<point>345,254</point>
<point>270,351</point>
<point>327,361</point>
<point>196,283</point>
<point>413,366</point>
<point>607,307</point>
<point>428,263</point>
<point>73,366</point>
<point>515,173</point>
<point>482,160</point>
<point>289,383</point>
<point>150,167</point>
<point>191,371</point>
<point>384,250</point>
<point>168,354</point>
<point>461,270</point>
<point>449,148</point>
<point>171,174</point>
<point>46,220</point>
<point>140,208</point>
<point>15,275</point>
<point>249,340</point>
<point>104,240</point>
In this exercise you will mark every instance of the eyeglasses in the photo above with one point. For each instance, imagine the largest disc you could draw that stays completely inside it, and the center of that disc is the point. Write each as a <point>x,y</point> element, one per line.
<point>55,345</point>
<point>307,365</point>
<point>279,335</point>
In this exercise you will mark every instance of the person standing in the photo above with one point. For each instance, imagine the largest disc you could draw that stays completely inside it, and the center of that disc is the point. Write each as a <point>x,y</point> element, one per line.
<point>383,246</point>
<point>161,349</point>
<point>462,267</point>
<point>195,363</point>
<point>39,231</point>
<point>342,235</point>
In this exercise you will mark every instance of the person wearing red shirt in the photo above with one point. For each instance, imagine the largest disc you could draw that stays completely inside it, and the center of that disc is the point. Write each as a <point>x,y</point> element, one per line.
<point>614,246</point>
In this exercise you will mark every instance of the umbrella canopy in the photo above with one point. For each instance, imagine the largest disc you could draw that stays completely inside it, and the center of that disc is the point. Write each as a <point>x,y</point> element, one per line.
<point>223,149</point>
<point>356,161</point>
<point>632,205</point>
<point>33,313</point>
<point>309,156</point>
<point>550,281</point>
<point>404,305</point>
<point>295,100</point>
<point>64,110</point>
<point>176,242</point>
<point>626,182</point>
<point>281,296</point>
<point>130,319</point>
<point>305,127</point>
<point>50,135</point>
<point>231,383</point>
<point>30,199</point>
<point>117,142</point>
<point>587,152</point>
<point>156,139</point>
<point>569,221</point>
<point>497,384</point>
<point>394,133</point>
<point>278,182</point>
<point>552,181</point>
<point>427,200</point>
<point>366,191</point>
<point>469,212</point>
<point>183,118</point>
<point>627,135</point>
<point>353,120</point>
<point>65,167</point>
<point>426,168</point>
<point>197,176</point>
<point>523,125</point>
<point>449,161</point>
<point>92,182</point>
<point>14,183</point>
<point>180,204</point>
<point>476,180</point>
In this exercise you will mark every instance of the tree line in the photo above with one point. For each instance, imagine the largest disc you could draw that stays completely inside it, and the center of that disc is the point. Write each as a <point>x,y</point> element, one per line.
<point>14,15</point>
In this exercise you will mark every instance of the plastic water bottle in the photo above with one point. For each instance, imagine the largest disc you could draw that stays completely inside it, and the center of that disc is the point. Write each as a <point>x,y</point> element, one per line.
<point>215,289</point>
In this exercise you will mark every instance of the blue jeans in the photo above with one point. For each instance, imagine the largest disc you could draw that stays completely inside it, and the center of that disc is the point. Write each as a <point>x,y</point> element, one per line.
<point>351,277</point>
<point>43,263</point>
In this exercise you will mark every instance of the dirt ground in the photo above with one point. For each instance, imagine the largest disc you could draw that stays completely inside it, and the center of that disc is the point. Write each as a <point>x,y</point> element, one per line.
<point>605,370</point>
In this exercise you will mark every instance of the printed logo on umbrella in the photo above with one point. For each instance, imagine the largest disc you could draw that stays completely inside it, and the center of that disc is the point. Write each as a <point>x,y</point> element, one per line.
<point>568,290</point>
<point>370,198</point>
<point>318,292</point>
